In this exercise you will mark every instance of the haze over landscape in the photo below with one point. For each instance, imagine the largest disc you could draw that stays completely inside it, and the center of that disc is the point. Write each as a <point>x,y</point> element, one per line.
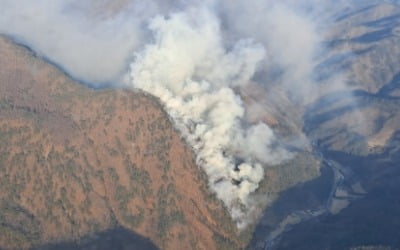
<point>199,124</point>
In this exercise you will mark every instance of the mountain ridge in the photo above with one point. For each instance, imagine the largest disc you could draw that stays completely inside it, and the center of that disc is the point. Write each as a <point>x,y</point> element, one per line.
<point>78,165</point>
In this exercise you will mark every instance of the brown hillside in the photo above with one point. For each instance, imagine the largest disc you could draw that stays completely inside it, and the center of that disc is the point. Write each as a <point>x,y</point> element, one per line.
<point>75,162</point>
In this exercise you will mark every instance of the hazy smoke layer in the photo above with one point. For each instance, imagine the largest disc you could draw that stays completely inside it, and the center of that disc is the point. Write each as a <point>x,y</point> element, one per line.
<point>87,38</point>
<point>193,55</point>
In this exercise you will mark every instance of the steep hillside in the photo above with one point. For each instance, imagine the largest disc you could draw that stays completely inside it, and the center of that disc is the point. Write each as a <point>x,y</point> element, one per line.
<point>364,46</point>
<point>356,132</point>
<point>96,168</point>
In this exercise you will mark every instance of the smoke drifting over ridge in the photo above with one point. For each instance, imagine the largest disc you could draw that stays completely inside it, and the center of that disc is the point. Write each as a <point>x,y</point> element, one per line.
<point>192,73</point>
<point>194,56</point>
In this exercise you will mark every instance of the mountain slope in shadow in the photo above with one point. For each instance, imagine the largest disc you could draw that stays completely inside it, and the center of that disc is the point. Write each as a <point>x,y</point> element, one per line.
<point>116,238</point>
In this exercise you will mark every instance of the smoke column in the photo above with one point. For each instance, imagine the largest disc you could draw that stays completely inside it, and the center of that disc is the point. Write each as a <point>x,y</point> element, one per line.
<point>194,76</point>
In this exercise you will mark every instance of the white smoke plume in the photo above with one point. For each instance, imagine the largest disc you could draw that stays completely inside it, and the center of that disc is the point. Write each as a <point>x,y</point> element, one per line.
<point>194,75</point>
<point>195,56</point>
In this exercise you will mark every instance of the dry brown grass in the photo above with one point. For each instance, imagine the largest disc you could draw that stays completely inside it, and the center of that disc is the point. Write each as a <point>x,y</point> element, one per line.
<point>75,161</point>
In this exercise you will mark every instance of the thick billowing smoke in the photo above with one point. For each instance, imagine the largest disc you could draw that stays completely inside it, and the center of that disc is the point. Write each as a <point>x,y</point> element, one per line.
<point>194,75</point>
<point>195,56</point>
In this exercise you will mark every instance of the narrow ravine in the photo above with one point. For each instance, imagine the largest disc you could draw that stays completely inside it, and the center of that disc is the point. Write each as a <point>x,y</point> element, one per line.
<point>344,189</point>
